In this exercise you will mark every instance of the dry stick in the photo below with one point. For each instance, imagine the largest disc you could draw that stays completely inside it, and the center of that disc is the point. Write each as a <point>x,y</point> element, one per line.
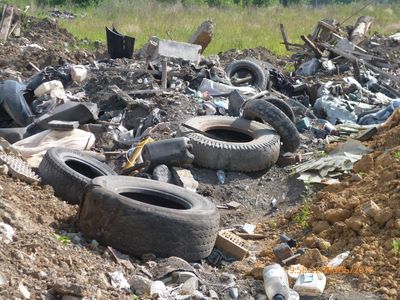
<point>361,9</point>
<point>310,44</point>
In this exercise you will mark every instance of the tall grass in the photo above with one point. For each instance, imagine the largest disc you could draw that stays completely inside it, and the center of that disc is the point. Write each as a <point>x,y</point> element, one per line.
<point>234,27</point>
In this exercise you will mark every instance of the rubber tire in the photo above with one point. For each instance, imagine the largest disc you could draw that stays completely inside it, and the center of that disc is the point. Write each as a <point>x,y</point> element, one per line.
<point>68,183</point>
<point>283,106</point>
<point>259,109</point>
<point>135,227</point>
<point>261,153</point>
<point>260,79</point>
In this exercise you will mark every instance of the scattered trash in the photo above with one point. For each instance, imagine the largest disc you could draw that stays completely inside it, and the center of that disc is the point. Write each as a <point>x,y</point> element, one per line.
<point>249,228</point>
<point>221,176</point>
<point>310,284</point>
<point>338,260</point>
<point>6,233</point>
<point>118,280</point>
<point>276,284</point>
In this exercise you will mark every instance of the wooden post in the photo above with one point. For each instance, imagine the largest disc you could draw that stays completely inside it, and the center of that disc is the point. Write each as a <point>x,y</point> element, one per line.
<point>164,73</point>
<point>284,37</point>
<point>203,35</point>
<point>359,33</point>
<point>5,23</point>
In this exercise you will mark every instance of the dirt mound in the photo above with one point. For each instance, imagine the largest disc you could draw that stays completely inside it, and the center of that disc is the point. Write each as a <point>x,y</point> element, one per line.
<point>39,258</point>
<point>43,43</point>
<point>361,216</point>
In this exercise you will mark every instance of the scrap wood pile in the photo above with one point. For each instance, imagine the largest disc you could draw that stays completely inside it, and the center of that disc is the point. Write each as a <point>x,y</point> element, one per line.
<point>124,135</point>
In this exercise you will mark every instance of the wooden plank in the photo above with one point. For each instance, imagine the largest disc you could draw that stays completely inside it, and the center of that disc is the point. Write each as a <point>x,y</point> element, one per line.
<point>6,22</point>
<point>353,59</point>
<point>284,36</point>
<point>314,48</point>
<point>328,26</point>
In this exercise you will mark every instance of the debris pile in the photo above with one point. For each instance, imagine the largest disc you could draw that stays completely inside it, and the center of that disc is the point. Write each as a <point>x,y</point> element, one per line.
<point>160,155</point>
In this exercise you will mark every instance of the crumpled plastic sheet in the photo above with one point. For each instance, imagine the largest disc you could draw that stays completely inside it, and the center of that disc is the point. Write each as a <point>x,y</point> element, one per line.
<point>339,160</point>
<point>380,116</point>
<point>335,110</point>
<point>34,147</point>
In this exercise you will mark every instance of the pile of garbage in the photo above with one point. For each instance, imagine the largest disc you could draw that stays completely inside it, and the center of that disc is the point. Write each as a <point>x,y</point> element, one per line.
<point>119,137</point>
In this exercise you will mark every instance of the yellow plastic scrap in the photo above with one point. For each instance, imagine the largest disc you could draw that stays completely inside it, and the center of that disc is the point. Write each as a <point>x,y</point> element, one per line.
<point>131,161</point>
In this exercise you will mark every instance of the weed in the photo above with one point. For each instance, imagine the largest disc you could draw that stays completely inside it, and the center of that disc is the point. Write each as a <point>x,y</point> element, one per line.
<point>63,239</point>
<point>361,174</point>
<point>272,224</point>
<point>303,215</point>
<point>396,247</point>
<point>397,154</point>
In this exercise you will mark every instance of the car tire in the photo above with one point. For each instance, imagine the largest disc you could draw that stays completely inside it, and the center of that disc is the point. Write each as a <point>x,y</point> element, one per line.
<point>68,172</point>
<point>261,110</point>
<point>138,216</point>
<point>283,106</point>
<point>242,145</point>
<point>260,80</point>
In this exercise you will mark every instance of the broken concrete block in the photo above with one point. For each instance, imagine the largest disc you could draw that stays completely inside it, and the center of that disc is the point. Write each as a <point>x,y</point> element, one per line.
<point>371,209</point>
<point>231,244</point>
<point>184,178</point>
<point>140,285</point>
<point>47,87</point>
<point>62,125</point>
<point>78,73</point>
<point>162,173</point>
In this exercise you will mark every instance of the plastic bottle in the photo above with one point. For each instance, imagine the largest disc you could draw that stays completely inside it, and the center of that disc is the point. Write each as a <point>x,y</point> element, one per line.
<point>276,284</point>
<point>310,284</point>
<point>337,261</point>
<point>323,125</point>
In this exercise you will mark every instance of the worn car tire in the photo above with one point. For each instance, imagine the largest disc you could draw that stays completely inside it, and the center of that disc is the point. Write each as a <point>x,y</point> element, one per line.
<point>68,172</point>
<point>264,111</point>
<point>245,146</point>
<point>260,80</point>
<point>282,105</point>
<point>139,216</point>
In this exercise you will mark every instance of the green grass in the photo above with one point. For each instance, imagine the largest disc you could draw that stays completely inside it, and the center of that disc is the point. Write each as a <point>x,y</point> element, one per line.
<point>237,28</point>
<point>397,154</point>
<point>63,239</point>
<point>396,247</point>
<point>304,214</point>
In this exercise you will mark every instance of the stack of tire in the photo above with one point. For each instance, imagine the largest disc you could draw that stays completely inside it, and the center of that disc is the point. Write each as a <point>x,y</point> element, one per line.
<point>134,215</point>
<point>247,144</point>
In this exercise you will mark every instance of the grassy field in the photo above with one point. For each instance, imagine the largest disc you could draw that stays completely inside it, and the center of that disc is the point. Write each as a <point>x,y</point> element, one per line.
<point>234,27</point>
